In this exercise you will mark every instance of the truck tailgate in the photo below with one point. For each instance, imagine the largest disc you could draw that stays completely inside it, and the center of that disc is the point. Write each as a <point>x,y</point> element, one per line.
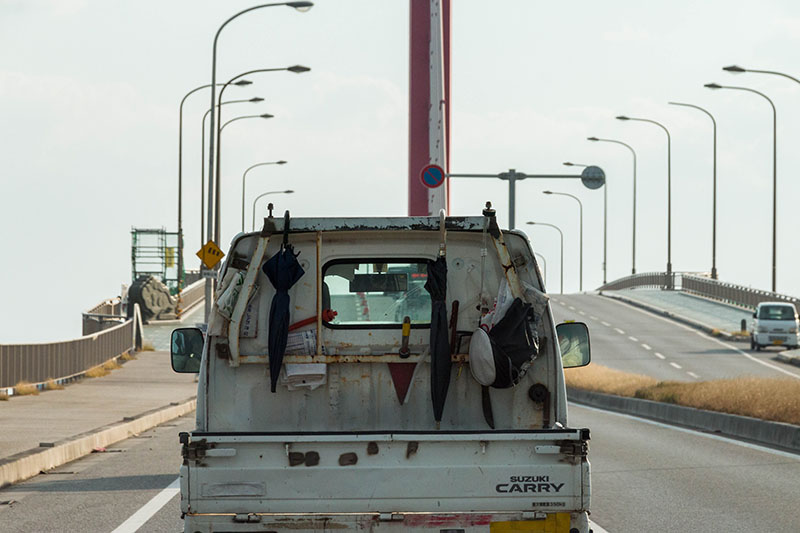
<point>536,470</point>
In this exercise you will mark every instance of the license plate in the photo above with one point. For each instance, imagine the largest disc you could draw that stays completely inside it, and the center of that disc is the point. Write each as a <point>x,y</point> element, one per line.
<point>553,523</point>
<point>777,342</point>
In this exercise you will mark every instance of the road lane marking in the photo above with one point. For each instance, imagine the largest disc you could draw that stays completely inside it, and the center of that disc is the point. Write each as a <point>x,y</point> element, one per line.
<point>146,512</point>
<point>634,339</point>
<point>619,331</point>
<point>581,313</point>
<point>695,376</point>
<point>676,365</point>
<point>606,324</point>
<point>597,529</point>
<point>710,338</point>
<point>571,308</point>
<point>593,317</point>
<point>659,355</point>
<point>646,346</point>
<point>693,432</point>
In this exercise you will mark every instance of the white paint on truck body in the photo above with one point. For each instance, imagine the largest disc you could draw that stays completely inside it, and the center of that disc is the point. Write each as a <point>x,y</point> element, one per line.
<point>349,446</point>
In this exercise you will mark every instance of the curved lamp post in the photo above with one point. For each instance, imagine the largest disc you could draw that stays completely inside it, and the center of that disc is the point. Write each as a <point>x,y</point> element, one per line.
<point>605,224</point>
<point>737,69</point>
<point>240,83</point>
<point>244,176</point>
<point>544,266</point>
<point>561,233</point>
<point>714,193</point>
<point>260,196</point>
<point>203,238</point>
<point>774,171</point>
<point>669,193</point>
<point>633,262</point>
<point>300,6</point>
<point>218,192</point>
<point>580,211</point>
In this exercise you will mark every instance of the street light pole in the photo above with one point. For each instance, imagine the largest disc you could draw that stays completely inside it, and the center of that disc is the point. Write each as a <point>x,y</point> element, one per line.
<point>580,211</point>
<point>605,223</point>
<point>217,203</point>
<point>203,239</point>
<point>738,69</point>
<point>714,192</point>
<point>300,6</point>
<point>297,69</point>
<point>561,233</point>
<point>262,195</point>
<point>633,255</point>
<point>544,266</point>
<point>774,172</point>
<point>244,176</point>
<point>180,176</point>
<point>669,192</point>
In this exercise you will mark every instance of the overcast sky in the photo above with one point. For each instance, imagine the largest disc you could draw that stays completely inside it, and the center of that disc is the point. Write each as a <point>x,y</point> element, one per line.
<point>89,94</point>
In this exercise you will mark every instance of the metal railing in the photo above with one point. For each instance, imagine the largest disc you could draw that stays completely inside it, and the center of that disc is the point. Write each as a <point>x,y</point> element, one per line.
<point>38,363</point>
<point>105,315</point>
<point>646,280</point>
<point>693,283</point>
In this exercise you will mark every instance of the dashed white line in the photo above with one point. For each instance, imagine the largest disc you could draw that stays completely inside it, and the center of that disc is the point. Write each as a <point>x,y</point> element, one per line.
<point>676,365</point>
<point>646,346</point>
<point>606,324</point>
<point>146,512</point>
<point>695,376</point>
<point>593,317</point>
<point>634,339</point>
<point>581,313</point>
<point>721,343</point>
<point>571,308</point>
<point>619,331</point>
<point>659,355</point>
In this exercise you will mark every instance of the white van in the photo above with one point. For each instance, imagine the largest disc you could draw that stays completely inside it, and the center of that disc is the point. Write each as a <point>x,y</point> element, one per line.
<point>383,374</point>
<point>774,324</point>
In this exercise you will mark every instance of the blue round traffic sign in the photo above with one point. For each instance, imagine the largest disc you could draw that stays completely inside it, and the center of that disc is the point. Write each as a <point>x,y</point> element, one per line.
<point>432,176</point>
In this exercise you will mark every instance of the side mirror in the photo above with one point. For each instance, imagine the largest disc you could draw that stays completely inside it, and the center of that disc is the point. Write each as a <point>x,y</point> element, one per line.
<point>573,341</point>
<point>754,315</point>
<point>186,350</point>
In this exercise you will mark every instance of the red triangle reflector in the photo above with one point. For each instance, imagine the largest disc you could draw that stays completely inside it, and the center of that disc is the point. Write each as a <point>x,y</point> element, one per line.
<point>401,377</point>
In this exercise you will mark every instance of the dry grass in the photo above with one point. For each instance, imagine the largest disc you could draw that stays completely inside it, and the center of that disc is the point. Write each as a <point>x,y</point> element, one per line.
<point>111,365</point>
<point>128,356</point>
<point>776,399</point>
<point>52,385</point>
<point>23,388</point>
<point>147,346</point>
<point>3,397</point>
<point>97,372</point>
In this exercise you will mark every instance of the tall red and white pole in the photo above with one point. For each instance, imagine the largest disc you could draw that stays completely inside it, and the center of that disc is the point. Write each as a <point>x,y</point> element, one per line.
<point>429,94</point>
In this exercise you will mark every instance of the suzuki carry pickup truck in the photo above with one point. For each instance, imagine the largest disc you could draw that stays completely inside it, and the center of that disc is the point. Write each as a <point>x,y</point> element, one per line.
<point>383,374</point>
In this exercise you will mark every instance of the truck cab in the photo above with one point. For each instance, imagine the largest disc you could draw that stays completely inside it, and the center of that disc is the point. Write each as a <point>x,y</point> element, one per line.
<point>408,376</point>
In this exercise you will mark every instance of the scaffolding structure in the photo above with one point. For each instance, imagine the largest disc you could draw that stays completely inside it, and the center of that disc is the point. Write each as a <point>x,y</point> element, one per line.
<point>154,252</point>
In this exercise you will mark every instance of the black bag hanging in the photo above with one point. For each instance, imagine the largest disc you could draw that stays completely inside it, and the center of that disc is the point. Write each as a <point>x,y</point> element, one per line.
<point>514,346</point>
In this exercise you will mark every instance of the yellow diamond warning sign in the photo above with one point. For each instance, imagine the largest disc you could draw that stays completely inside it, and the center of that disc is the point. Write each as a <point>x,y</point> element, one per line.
<point>210,254</point>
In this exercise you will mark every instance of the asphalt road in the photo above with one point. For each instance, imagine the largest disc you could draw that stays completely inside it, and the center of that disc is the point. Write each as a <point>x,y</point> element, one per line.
<point>645,477</point>
<point>103,490</point>
<point>628,338</point>
<point>651,477</point>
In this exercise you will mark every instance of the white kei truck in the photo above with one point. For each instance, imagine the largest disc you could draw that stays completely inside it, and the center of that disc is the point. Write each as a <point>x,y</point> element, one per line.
<point>380,375</point>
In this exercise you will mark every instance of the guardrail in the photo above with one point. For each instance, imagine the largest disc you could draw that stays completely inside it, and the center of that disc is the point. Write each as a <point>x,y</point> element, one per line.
<point>61,361</point>
<point>693,283</point>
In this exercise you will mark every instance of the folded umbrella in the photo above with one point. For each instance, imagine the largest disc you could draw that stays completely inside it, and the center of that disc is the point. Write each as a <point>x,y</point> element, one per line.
<point>440,345</point>
<point>283,271</point>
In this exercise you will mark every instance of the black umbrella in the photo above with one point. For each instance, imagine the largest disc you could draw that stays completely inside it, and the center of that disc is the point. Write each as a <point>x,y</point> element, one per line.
<point>283,270</point>
<point>440,345</point>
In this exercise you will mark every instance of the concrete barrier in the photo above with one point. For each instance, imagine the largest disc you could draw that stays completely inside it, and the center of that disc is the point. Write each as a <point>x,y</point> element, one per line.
<point>772,434</point>
<point>49,455</point>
